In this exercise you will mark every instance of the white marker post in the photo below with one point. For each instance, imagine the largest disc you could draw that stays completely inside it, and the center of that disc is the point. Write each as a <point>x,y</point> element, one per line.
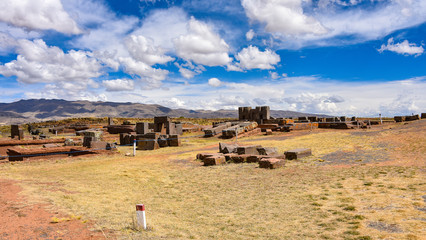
<point>134,147</point>
<point>140,215</point>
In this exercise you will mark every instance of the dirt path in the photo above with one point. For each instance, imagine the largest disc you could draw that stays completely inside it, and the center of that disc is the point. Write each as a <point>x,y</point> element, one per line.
<point>19,220</point>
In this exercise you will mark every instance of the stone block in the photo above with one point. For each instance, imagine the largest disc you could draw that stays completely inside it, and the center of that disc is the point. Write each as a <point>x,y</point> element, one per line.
<point>142,128</point>
<point>268,132</point>
<point>214,160</point>
<point>147,144</point>
<point>87,140</point>
<point>69,142</point>
<point>254,158</point>
<point>174,141</point>
<point>251,150</point>
<point>110,121</point>
<point>423,116</point>
<point>162,119</point>
<point>179,128</point>
<point>267,151</point>
<point>202,156</point>
<point>99,145</point>
<point>239,158</point>
<point>297,153</point>
<point>170,128</point>
<point>271,163</point>
<point>313,119</point>
<point>16,132</point>
<point>227,148</point>
<point>123,139</point>
<point>50,145</point>
<point>412,118</point>
<point>162,141</point>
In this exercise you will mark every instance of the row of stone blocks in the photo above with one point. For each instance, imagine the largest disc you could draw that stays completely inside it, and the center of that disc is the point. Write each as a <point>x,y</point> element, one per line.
<point>409,118</point>
<point>150,141</point>
<point>266,157</point>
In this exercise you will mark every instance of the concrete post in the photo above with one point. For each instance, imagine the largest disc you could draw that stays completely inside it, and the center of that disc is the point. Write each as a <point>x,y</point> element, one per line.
<point>140,215</point>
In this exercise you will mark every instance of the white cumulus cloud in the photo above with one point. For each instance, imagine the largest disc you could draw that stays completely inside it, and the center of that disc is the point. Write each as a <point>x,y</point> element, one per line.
<point>152,77</point>
<point>252,57</point>
<point>250,35</point>
<point>214,82</point>
<point>283,16</point>
<point>202,46</point>
<point>119,85</point>
<point>38,14</point>
<point>38,63</point>
<point>144,50</point>
<point>404,48</point>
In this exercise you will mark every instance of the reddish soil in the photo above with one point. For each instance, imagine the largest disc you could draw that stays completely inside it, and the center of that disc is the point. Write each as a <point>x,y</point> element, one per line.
<point>19,220</point>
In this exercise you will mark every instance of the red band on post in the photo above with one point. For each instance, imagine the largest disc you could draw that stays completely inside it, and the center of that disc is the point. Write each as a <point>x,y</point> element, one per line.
<point>140,207</point>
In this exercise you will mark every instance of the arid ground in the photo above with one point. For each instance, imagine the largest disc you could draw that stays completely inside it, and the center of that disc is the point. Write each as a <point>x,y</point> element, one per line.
<point>359,184</point>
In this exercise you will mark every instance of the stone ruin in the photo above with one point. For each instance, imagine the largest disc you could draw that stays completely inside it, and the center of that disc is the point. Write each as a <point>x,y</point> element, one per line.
<point>266,157</point>
<point>16,132</point>
<point>232,129</point>
<point>93,139</point>
<point>258,114</point>
<point>162,133</point>
<point>409,117</point>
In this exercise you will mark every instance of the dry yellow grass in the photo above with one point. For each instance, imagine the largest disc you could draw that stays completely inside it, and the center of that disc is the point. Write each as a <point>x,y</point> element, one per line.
<point>236,201</point>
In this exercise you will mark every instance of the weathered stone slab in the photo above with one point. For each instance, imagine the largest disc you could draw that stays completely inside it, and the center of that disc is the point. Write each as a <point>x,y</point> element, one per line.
<point>162,140</point>
<point>16,132</point>
<point>179,128</point>
<point>147,144</point>
<point>268,132</point>
<point>214,160</point>
<point>412,118</point>
<point>50,145</point>
<point>239,158</point>
<point>313,119</point>
<point>254,158</point>
<point>251,150</point>
<point>227,148</point>
<point>267,150</point>
<point>202,156</point>
<point>116,129</point>
<point>297,153</point>
<point>99,145</point>
<point>174,141</point>
<point>271,163</point>
<point>162,119</point>
<point>423,115</point>
<point>142,128</point>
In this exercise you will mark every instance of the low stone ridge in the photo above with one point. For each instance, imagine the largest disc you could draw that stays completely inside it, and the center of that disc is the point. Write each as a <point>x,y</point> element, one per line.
<point>297,153</point>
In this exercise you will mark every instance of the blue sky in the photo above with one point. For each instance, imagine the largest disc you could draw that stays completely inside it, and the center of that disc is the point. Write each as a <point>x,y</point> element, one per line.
<point>340,57</point>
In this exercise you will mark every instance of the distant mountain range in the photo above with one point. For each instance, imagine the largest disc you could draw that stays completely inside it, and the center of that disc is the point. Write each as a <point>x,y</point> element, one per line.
<point>34,110</point>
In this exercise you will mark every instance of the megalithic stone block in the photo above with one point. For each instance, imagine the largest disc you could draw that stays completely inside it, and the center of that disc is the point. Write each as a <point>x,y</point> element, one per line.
<point>110,121</point>
<point>227,148</point>
<point>271,163</point>
<point>162,119</point>
<point>214,160</point>
<point>297,153</point>
<point>174,140</point>
<point>142,128</point>
<point>251,150</point>
<point>267,151</point>
<point>170,128</point>
<point>423,115</point>
<point>162,140</point>
<point>179,128</point>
